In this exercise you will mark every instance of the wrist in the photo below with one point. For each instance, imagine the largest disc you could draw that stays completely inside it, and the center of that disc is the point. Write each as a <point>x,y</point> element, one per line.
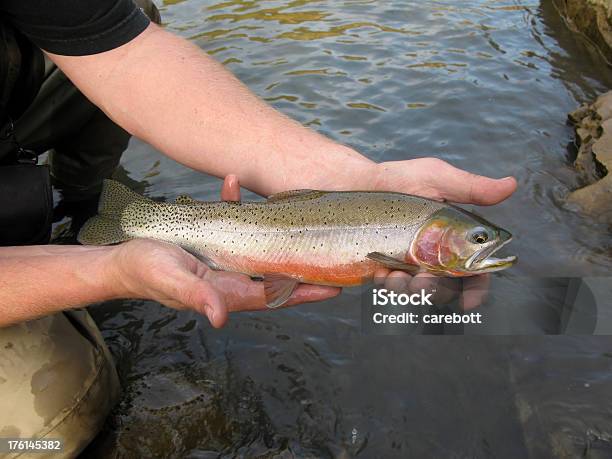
<point>353,171</point>
<point>110,271</point>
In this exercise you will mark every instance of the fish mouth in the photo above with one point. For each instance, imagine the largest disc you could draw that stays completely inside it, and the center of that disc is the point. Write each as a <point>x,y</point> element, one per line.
<point>484,261</point>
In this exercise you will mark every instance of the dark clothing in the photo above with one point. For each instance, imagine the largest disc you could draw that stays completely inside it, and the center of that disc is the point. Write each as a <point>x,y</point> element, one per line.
<point>84,145</point>
<point>75,27</point>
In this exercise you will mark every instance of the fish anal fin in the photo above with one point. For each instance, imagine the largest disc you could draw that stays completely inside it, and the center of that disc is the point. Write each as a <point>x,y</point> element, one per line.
<point>278,288</point>
<point>393,263</point>
<point>295,195</point>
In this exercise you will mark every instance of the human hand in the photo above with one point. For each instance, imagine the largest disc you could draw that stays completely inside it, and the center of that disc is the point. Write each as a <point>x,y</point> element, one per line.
<point>163,272</point>
<point>436,179</point>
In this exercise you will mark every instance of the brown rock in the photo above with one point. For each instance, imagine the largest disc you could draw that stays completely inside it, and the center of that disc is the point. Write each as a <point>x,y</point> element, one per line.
<point>593,19</point>
<point>577,115</point>
<point>602,147</point>
<point>595,200</point>
<point>603,106</point>
<point>594,159</point>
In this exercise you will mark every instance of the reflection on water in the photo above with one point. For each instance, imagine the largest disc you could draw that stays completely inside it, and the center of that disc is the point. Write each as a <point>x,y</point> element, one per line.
<point>485,85</point>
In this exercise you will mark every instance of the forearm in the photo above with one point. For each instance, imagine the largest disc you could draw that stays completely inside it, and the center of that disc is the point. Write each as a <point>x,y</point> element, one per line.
<point>41,280</point>
<point>169,93</point>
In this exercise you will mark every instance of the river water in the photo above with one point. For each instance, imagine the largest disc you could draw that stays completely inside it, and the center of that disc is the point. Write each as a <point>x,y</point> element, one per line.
<point>485,85</point>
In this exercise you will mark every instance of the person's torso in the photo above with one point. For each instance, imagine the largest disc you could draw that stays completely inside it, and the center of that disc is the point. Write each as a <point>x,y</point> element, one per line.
<point>21,72</point>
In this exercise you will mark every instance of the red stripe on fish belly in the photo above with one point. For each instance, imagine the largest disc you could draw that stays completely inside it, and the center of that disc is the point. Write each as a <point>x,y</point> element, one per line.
<point>341,275</point>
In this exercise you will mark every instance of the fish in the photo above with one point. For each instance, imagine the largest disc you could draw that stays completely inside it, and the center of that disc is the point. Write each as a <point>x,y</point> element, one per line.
<point>333,238</point>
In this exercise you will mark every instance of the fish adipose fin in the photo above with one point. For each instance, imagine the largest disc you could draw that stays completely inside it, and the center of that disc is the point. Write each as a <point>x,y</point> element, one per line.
<point>295,195</point>
<point>392,263</point>
<point>278,288</point>
<point>105,228</point>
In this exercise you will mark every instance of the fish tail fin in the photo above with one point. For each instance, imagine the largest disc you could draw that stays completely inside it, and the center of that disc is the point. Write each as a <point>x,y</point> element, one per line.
<point>114,199</point>
<point>100,230</point>
<point>105,228</point>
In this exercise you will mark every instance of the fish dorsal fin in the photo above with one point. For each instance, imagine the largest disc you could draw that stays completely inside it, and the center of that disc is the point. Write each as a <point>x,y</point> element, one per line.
<point>184,199</point>
<point>295,195</point>
<point>392,263</point>
<point>278,288</point>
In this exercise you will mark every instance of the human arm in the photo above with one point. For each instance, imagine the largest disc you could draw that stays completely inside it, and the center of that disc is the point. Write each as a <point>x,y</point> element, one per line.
<point>169,93</point>
<point>40,280</point>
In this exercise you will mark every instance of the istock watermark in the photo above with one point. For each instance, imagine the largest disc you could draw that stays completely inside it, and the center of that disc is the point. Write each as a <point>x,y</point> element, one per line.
<point>383,297</point>
<point>389,307</point>
<point>495,306</point>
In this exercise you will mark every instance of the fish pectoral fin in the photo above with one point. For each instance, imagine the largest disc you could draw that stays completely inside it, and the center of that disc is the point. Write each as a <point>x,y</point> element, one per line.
<point>202,257</point>
<point>295,195</point>
<point>278,288</point>
<point>393,263</point>
<point>208,262</point>
<point>184,199</point>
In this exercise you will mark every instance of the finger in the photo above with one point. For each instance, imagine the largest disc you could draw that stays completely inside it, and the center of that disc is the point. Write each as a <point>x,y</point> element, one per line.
<point>241,293</point>
<point>461,186</point>
<point>475,291</point>
<point>214,306</point>
<point>444,289</point>
<point>398,281</point>
<point>230,191</point>
<point>380,275</point>
<point>200,295</point>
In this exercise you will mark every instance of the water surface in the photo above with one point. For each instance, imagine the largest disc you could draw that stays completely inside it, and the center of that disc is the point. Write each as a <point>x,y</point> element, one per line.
<point>485,85</point>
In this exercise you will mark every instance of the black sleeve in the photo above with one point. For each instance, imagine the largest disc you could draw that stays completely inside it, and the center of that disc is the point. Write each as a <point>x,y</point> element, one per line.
<point>75,27</point>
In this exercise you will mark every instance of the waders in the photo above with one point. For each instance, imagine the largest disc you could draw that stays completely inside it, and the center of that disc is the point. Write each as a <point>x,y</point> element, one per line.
<point>57,377</point>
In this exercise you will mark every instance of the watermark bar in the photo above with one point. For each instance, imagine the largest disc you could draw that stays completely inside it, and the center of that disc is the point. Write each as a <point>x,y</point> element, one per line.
<point>31,445</point>
<point>497,306</point>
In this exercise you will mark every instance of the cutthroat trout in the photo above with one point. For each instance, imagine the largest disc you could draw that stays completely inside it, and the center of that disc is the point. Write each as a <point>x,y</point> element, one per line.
<point>316,237</point>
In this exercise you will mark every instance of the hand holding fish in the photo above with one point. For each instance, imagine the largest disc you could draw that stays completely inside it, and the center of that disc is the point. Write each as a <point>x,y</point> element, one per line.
<point>435,179</point>
<point>167,274</point>
<point>179,280</point>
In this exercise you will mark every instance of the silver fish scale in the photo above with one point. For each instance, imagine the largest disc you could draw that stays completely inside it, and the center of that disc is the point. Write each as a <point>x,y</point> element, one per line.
<point>320,228</point>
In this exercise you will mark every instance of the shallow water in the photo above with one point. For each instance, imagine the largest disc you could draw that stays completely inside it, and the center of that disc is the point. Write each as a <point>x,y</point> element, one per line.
<point>485,85</point>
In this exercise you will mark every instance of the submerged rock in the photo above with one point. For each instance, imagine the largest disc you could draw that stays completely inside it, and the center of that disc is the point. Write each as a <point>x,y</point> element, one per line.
<point>592,18</point>
<point>594,159</point>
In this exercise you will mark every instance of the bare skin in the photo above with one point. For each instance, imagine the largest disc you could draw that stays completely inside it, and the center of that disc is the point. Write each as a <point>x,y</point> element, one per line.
<point>192,109</point>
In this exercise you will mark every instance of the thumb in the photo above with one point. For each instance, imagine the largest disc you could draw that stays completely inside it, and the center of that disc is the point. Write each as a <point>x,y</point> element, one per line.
<point>461,186</point>
<point>230,191</point>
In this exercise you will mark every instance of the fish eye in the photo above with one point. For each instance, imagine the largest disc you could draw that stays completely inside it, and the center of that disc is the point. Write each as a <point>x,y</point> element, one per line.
<point>479,235</point>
